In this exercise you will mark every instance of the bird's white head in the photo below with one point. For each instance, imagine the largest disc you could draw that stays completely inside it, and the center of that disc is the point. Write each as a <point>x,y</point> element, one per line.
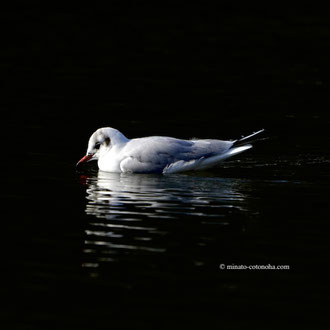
<point>101,141</point>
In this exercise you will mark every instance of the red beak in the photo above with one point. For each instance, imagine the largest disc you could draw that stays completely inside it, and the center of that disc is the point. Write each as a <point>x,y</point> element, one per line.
<point>85,159</point>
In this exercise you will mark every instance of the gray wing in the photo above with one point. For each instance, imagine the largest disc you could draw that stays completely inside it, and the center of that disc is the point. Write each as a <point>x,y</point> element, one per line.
<point>153,154</point>
<point>210,148</point>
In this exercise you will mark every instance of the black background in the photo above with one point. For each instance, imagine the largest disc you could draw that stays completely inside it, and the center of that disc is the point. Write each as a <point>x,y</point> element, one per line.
<point>183,71</point>
<point>180,70</point>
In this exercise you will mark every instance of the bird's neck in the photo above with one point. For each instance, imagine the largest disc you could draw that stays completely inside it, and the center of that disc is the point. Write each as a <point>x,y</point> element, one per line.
<point>117,137</point>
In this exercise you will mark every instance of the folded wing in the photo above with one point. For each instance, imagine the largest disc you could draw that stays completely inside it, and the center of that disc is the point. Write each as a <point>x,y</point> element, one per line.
<point>169,155</point>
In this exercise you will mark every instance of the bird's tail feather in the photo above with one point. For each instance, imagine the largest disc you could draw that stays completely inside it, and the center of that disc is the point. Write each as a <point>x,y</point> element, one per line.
<point>203,163</point>
<point>246,139</point>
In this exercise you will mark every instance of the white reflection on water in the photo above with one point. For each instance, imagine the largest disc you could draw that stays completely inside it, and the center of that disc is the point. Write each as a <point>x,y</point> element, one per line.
<point>113,194</point>
<point>131,213</point>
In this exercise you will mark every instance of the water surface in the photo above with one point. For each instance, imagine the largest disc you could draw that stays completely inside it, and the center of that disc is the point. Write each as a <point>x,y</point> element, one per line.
<point>132,216</point>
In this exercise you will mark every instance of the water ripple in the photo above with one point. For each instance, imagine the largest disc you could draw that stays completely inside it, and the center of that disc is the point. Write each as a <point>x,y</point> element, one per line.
<point>150,214</point>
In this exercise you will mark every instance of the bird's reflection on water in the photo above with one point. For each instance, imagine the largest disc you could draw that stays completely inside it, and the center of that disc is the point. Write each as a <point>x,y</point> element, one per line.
<point>134,217</point>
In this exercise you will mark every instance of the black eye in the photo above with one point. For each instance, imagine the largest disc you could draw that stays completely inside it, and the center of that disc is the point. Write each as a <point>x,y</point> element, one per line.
<point>97,145</point>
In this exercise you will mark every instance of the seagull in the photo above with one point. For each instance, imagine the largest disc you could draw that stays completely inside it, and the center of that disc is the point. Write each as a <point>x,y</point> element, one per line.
<point>159,154</point>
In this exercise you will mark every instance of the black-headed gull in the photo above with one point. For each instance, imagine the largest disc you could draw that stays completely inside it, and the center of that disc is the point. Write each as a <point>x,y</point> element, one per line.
<point>158,154</point>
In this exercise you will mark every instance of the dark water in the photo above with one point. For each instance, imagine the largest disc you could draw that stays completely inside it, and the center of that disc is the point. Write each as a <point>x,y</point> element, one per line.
<point>94,250</point>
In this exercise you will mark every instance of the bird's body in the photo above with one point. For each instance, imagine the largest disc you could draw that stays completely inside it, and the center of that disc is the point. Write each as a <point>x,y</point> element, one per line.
<point>157,154</point>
